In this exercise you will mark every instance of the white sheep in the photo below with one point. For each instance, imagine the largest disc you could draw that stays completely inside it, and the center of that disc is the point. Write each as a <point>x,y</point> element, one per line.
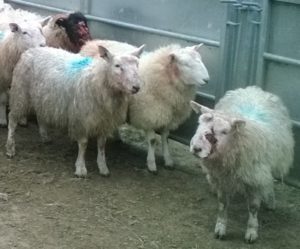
<point>245,141</point>
<point>170,78</point>
<point>87,97</point>
<point>12,44</point>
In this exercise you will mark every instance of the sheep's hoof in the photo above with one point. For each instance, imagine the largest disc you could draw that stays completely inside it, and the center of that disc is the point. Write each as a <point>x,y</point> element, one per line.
<point>153,172</point>
<point>81,172</point>
<point>251,236</point>
<point>10,155</point>
<point>220,231</point>
<point>105,174</point>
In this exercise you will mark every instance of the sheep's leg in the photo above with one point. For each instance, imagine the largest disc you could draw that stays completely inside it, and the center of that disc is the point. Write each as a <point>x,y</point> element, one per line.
<point>151,152</point>
<point>23,121</point>
<point>254,201</point>
<point>270,198</point>
<point>80,162</point>
<point>101,161</point>
<point>165,148</point>
<point>220,228</point>
<point>43,131</point>
<point>3,102</point>
<point>10,144</point>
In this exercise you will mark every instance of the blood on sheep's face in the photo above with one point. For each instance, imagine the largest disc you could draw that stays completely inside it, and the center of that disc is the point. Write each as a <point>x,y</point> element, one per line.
<point>213,135</point>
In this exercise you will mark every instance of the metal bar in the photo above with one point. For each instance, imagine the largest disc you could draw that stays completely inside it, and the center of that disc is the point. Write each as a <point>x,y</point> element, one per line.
<point>296,123</point>
<point>281,59</point>
<point>206,96</point>
<point>155,31</point>
<point>135,27</point>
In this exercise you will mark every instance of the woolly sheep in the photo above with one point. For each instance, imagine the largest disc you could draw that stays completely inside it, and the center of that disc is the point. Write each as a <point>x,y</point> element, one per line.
<point>87,97</point>
<point>67,31</point>
<point>170,78</point>
<point>242,144</point>
<point>13,43</point>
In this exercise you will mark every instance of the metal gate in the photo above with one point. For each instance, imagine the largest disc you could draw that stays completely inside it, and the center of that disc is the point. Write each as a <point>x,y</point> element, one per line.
<point>254,42</point>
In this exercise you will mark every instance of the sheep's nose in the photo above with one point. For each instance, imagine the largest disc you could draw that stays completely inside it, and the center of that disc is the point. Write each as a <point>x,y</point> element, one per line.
<point>135,89</point>
<point>206,80</point>
<point>197,149</point>
<point>42,45</point>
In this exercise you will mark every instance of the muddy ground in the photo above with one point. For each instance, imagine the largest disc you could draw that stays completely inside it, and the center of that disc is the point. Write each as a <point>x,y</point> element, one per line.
<point>47,207</point>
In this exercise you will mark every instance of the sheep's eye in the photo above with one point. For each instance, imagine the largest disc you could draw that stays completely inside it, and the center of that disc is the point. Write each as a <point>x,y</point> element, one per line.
<point>25,33</point>
<point>224,132</point>
<point>117,65</point>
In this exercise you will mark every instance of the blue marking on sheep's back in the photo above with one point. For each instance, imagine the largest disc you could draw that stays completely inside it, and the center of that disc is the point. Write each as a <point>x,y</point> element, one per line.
<point>1,35</point>
<point>253,113</point>
<point>76,65</point>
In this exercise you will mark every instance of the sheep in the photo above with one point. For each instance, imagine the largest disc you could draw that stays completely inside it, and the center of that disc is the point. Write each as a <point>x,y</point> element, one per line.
<point>87,97</point>
<point>170,77</point>
<point>67,31</point>
<point>243,143</point>
<point>13,43</point>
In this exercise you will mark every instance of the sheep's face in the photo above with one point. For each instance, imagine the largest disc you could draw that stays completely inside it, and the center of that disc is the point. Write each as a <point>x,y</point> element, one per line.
<point>27,36</point>
<point>214,133</point>
<point>188,65</point>
<point>123,70</point>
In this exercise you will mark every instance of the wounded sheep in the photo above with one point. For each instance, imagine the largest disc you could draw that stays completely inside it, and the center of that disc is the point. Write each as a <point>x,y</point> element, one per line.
<point>243,143</point>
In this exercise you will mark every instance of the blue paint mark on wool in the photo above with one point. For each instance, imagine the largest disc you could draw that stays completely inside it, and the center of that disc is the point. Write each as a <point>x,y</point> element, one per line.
<point>1,35</point>
<point>253,113</point>
<point>77,64</point>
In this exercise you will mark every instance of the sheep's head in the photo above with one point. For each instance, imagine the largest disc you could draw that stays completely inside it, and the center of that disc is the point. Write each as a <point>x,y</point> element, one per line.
<point>27,35</point>
<point>123,69</point>
<point>76,28</point>
<point>214,133</point>
<point>186,64</point>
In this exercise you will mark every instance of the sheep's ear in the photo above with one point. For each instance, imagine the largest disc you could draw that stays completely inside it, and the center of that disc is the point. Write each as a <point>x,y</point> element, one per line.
<point>238,123</point>
<point>138,51</point>
<point>45,21</point>
<point>197,48</point>
<point>14,27</point>
<point>104,53</point>
<point>200,108</point>
<point>172,57</point>
<point>61,22</point>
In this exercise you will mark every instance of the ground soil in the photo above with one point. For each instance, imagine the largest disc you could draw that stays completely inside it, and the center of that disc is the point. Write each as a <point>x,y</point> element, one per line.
<point>43,205</point>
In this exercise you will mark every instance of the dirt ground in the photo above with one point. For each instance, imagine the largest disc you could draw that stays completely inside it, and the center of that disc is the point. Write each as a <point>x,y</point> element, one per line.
<point>47,207</point>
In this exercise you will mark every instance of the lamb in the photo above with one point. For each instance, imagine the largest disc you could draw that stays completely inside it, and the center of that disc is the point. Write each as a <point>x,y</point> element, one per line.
<point>67,31</point>
<point>170,78</point>
<point>87,97</point>
<point>12,44</point>
<point>243,143</point>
